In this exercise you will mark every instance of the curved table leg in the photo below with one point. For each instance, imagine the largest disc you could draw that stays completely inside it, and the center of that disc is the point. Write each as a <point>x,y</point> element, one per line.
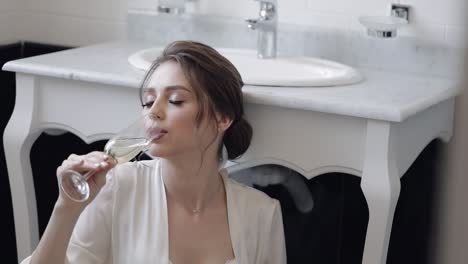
<point>19,136</point>
<point>380,184</point>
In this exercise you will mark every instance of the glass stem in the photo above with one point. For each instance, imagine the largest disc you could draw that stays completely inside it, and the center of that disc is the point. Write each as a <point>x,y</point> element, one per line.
<point>88,174</point>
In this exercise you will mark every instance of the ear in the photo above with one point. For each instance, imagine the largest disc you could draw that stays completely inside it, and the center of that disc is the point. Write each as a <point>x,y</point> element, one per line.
<point>224,122</point>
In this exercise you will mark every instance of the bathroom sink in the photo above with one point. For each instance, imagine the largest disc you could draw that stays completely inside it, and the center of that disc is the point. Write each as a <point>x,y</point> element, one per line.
<point>281,71</point>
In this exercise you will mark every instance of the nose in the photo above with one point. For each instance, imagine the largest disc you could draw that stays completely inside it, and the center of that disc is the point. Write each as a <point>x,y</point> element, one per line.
<point>154,116</point>
<point>156,112</point>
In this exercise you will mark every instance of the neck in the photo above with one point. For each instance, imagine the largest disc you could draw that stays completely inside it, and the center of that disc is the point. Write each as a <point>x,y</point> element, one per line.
<point>193,184</point>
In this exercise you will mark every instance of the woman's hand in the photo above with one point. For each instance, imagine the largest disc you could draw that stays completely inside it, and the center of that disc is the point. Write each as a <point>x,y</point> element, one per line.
<point>98,163</point>
<point>53,245</point>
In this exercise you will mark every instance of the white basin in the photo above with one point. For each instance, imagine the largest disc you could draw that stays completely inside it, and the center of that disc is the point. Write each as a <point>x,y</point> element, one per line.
<point>282,71</point>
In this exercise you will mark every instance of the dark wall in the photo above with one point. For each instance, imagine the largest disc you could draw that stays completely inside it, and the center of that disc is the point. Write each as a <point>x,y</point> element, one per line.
<point>7,83</point>
<point>333,232</point>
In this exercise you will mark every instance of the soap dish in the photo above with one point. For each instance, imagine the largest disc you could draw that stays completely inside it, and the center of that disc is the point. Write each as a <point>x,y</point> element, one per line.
<point>382,26</point>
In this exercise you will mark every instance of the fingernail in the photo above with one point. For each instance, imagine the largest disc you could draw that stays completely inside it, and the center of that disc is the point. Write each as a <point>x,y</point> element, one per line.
<point>105,156</point>
<point>96,165</point>
<point>103,164</point>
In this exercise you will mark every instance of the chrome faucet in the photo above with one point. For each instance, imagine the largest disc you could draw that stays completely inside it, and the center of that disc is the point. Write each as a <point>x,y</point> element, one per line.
<point>266,25</point>
<point>173,7</point>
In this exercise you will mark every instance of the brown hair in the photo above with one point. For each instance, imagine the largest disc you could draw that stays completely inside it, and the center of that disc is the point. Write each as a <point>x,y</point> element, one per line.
<point>217,85</point>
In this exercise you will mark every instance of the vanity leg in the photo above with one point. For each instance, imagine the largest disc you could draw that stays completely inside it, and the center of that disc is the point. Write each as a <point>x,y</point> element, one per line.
<point>380,184</point>
<point>18,138</point>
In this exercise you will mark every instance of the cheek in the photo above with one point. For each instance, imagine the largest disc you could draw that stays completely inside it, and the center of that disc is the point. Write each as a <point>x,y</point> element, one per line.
<point>191,134</point>
<point>206,132</point>
<point>184,119</point>
<point>183,124</point>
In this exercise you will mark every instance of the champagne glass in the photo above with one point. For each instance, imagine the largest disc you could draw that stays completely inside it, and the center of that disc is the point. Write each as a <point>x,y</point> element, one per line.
<point>122,147</point>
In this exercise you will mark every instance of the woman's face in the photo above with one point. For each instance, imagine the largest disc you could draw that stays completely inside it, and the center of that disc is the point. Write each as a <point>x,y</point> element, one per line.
<point>171,107</point>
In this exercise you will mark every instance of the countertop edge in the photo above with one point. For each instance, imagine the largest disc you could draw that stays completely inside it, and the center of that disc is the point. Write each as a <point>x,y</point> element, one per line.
<point>391,113</point>
<point>69,74</point>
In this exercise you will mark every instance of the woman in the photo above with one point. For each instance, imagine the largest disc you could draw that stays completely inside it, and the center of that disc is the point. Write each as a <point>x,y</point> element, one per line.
<point>180,207</point>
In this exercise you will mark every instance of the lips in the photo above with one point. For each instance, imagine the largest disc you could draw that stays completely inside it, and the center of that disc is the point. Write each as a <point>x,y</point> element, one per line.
<point>156,133</point>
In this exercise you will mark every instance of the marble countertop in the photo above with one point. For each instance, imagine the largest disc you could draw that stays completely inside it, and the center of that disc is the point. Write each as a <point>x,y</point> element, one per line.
<point>383,95</point>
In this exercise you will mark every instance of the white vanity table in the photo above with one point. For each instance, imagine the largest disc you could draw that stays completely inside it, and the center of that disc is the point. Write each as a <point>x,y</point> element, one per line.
<point>373,130</point>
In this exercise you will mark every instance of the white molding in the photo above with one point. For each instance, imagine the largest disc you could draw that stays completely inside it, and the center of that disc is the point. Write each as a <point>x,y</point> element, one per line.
<point>19,135</point>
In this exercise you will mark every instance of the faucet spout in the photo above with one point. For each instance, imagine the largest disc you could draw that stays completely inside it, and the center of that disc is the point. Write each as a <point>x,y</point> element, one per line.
<point>266,25</point>
<point>252,23</point>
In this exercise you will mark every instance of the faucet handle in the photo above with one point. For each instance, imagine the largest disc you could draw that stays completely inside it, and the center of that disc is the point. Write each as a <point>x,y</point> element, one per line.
<point>252,23</point>
<point>267,1</point>
<point>267,10</point>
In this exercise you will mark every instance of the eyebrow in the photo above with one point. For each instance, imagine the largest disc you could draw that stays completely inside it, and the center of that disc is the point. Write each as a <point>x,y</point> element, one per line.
<point>170,88</point>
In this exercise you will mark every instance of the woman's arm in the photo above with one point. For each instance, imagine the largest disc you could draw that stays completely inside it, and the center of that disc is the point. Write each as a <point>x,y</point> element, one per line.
<point>52,248</point>
<point>54,242</point>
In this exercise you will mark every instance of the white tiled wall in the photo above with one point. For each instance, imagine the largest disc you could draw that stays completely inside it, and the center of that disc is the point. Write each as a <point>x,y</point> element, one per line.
<point>437,21</point>
<point>9,12</point>
<point>73,23</point>
<point>70,30</point>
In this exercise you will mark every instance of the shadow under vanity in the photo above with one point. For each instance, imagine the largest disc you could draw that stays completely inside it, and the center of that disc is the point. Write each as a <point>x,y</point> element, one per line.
<point>324,223</point>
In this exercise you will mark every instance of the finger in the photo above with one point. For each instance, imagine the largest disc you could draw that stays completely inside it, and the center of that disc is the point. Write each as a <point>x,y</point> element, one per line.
<point>81,166</point>
<point>85,165</point>
<point>92,160</point>
<point>106,165</point>
<point>110,160</point>
<point>70,164</point>
<point>95,154</point>
<point>99,176</point>
<point>98,157</point>
<point>73,157</point>
<point>107,157</point>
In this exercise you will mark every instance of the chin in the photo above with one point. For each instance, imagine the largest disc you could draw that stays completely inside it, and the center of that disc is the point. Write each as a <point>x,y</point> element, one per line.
<point>156,151</point>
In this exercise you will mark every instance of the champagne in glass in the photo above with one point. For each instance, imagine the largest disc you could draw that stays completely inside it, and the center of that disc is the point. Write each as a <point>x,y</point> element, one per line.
<point>122,147</point>
<point>123,150</point>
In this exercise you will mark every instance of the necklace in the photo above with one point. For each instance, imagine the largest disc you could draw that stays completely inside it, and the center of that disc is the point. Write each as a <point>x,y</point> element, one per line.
<point>196,210</point>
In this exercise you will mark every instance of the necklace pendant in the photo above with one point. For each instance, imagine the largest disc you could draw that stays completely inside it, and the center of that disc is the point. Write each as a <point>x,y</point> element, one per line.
<point>195,211</point>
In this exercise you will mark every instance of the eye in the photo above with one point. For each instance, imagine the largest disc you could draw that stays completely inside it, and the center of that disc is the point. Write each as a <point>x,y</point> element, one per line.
<point>148,104</point>
<point>148,100</point>
<point>176,102</point>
